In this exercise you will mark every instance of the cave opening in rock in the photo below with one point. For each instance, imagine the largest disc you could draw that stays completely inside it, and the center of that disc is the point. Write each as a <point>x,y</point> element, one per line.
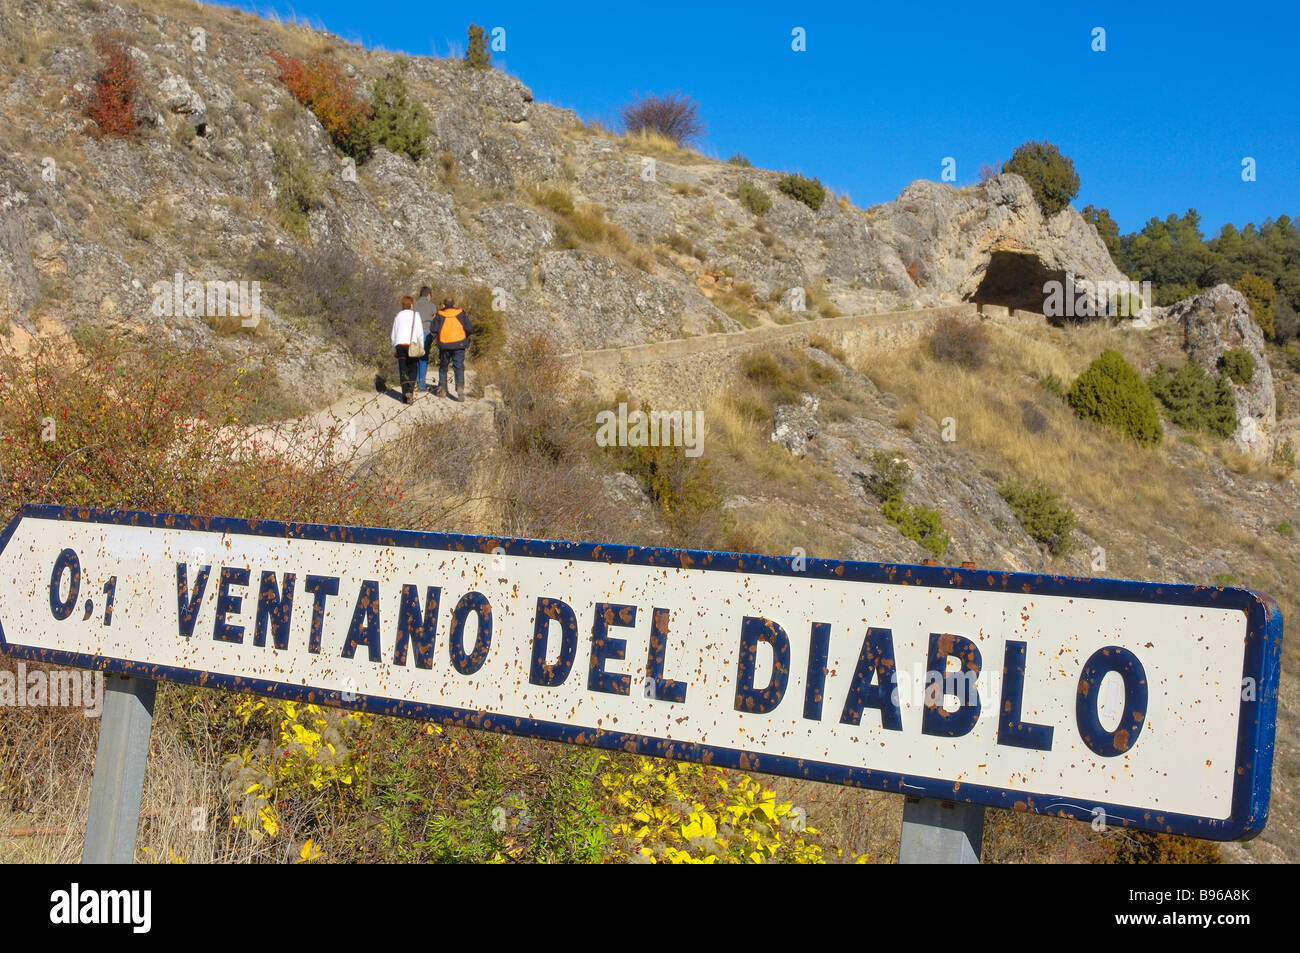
<point>1015,280</point>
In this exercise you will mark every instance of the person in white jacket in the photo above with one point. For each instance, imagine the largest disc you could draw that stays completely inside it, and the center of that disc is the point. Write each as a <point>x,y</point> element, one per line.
<point>408,329</point>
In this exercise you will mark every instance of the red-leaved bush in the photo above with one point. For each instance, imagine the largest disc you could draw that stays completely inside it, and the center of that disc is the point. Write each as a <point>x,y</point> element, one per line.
<point>112,100</point>
<point>321,85</point>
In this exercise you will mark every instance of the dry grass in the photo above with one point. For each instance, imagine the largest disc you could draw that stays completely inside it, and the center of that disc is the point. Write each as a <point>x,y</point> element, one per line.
<point>27,49</point>
<point>738,302</point>
<point>1136,485</point>
<point>741,423</point>
<point>579,226</point>
<point>661,145</point>
<point>818,300</point>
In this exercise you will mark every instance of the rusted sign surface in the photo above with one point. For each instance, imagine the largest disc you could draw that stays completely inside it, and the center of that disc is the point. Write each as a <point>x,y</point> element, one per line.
<point>1145,705</point>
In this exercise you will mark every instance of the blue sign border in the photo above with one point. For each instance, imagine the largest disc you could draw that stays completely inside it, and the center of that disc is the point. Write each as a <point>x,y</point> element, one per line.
<point>1262,660</point>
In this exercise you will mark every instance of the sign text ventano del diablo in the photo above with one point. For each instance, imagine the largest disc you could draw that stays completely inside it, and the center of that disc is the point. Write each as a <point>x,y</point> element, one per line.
<point>1150,705</point>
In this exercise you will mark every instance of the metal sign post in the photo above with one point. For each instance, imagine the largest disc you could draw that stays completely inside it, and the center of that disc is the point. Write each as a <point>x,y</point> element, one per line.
<point>1150,705</point>
<point>120,760</point>
<point>940,832</point>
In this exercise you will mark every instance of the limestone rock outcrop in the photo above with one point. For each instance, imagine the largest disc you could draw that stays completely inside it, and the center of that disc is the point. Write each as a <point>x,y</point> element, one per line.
<point>1216,321</point>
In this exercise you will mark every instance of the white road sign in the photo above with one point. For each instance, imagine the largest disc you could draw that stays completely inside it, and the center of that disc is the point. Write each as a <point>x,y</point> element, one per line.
<point>1151,706</point>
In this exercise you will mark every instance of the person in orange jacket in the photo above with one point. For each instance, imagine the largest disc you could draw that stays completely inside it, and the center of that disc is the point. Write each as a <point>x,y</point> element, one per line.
<point>451,329</point>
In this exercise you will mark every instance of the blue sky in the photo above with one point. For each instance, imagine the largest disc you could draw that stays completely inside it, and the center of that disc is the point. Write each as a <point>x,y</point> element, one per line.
<point>1157,123</point>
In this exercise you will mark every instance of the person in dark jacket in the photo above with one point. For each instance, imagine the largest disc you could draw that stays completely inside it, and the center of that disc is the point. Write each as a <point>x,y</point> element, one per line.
<point>451,329</point>
<point>425,308</point>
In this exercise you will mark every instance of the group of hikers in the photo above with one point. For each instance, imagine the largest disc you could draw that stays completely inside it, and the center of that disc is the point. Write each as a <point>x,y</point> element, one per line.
<point>417,328</point>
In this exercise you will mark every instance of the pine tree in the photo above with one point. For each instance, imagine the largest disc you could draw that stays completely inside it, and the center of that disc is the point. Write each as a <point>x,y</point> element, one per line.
<point>400,123</point>
<point>477,56</point>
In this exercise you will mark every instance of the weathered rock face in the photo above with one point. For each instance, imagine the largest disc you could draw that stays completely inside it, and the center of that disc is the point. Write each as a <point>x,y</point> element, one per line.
<point>795,425</point>
<point>1218,320</point>
<point>950,238</point>
<point>18,282</point>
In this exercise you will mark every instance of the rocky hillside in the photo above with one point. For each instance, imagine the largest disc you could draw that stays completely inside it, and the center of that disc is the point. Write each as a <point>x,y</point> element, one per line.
<point>600,240</point>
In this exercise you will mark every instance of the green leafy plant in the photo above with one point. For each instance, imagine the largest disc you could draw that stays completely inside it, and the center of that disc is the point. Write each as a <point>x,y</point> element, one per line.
<point>1110,392</point>
<point>1238,365</point>
<point>753,198</point>
<point>1045,516</point>
<point>1125,306</point>
<point>888,478</point>
<point>681,487</point>
<point>810,192</point>
<point>1195,400</point>
<point>919,524</point>
<point>1049,174</point>
<point>741,161</point>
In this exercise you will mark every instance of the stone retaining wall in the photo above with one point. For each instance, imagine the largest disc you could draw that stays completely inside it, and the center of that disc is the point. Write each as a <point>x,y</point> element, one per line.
<point>706,365</point>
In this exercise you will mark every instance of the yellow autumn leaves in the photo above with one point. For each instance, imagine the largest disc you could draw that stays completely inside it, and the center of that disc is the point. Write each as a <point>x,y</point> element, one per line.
<point>307,753</point>
<point>681,813</point>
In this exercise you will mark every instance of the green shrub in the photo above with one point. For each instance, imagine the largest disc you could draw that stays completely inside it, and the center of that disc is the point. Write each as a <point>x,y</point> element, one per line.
<point>399,123</point>
<point>1238,365</point>
<point>1262,297</point>
<point>296,189</point>
<point>919,524</point>
<point>888,477</point>
<point>681,487</point>
<point>1110,392</point>
<point>810,192</point>
<point>558,821</point>
<point>753,198</point>
<point>1196,401</point>
<point>741,161</point>
<point>1285,528</point>
<point>1045,516</point>
<point>476,54</point>
<point>1050,175</point>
